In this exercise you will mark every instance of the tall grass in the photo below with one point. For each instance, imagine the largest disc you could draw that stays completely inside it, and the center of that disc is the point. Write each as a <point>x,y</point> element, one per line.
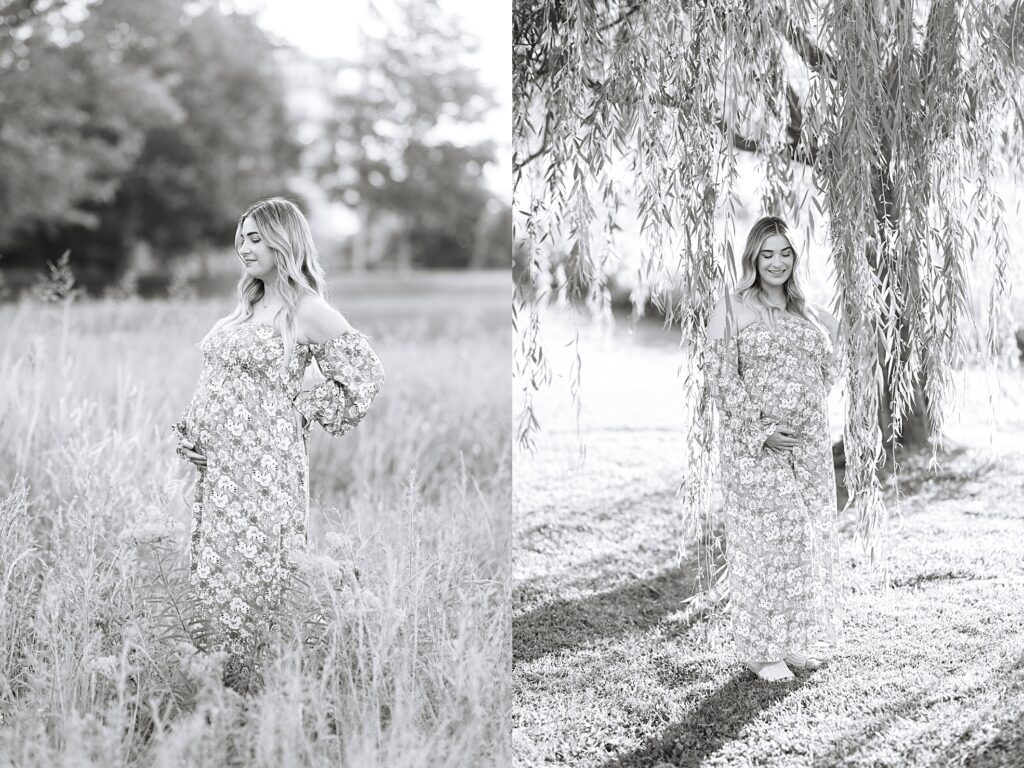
<point>399,649</point>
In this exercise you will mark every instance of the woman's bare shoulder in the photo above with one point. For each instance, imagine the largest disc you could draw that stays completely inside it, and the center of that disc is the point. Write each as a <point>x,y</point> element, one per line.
<point>826,317</point>
<point>742,316</point>
<point>316,321</point>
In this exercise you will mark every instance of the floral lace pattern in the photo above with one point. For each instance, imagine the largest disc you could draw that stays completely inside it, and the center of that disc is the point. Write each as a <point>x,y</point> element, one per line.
<point>251,501</point>
<point>354,375</point>
<point>780,509</point>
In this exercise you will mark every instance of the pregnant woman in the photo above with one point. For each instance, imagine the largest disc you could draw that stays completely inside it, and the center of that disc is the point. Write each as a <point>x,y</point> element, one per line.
<point>771,361</point>
<point>247,426</point>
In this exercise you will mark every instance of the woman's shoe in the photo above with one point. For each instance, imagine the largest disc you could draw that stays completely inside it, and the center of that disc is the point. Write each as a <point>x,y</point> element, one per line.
<point>800,661</point>
<point>772,671</point>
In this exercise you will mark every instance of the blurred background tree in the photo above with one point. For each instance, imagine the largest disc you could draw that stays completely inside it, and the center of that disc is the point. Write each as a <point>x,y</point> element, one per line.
<point>135,125</point>
<point>132,134</point>
<point>391,152</point>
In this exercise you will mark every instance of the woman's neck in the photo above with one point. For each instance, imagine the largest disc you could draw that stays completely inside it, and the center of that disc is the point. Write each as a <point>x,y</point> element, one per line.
<point>776,296</point>
<point>270,293</point>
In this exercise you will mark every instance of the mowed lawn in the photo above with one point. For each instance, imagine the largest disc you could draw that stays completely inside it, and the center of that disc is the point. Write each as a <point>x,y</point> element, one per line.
<point>607,669</point>
<point>400,648</point>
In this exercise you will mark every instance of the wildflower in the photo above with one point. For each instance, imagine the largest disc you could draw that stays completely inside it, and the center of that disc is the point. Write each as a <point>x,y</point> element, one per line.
<point>105,666</point>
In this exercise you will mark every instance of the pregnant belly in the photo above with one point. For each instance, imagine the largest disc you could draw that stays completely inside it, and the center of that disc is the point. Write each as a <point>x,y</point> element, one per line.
<point>227,420</point>
<point>202,420</point>
<point>803,413</point>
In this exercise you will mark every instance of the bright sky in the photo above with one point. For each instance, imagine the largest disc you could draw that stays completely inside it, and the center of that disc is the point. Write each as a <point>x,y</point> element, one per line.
<point>328,28</point>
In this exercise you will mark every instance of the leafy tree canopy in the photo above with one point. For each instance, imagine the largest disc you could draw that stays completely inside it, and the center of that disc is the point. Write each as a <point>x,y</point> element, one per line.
<point>402,137</point>
<point>123,121</point>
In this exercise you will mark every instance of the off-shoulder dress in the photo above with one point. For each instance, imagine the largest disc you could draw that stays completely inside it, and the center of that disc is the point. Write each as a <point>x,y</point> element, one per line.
<point>780,509</point>
<point>251,501</point>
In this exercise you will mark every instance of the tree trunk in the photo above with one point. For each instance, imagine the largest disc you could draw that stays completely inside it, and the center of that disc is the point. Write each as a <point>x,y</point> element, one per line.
<point>916,424</point>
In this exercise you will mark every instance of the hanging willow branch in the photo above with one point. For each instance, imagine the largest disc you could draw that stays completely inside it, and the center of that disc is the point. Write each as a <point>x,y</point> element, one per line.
<point>869,120</point>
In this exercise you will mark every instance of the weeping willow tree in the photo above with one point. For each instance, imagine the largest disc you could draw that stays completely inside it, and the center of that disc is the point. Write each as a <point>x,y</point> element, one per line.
<point>885,125</point>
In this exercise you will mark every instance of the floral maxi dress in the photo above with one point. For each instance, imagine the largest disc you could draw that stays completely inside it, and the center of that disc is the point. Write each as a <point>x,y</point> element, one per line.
<point>252,500</point>
<point>780,509</point>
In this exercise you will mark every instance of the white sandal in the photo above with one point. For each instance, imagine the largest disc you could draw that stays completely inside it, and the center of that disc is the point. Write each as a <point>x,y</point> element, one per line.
<point>800,661</point>
<point>759,667</point>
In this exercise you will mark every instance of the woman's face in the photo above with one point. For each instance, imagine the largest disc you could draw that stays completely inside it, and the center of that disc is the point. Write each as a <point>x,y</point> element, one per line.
<point>256,255</point>
<point>775,261</point>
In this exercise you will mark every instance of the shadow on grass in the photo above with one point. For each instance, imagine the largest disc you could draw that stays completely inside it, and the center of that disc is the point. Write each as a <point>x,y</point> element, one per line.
<point>716,720</point>
<point>1006,749</point>
<point>633,607</point>
<point>960,468</point>
<point>895,732</point>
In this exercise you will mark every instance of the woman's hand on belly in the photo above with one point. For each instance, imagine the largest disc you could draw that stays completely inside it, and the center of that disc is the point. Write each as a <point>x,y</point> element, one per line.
<point>187,451</point>
<point>785,439</point>
<point>781,440</point>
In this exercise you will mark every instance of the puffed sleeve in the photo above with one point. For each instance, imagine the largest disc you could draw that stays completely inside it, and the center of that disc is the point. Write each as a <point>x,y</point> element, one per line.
<point>737,414</point>
<point>354,377</point>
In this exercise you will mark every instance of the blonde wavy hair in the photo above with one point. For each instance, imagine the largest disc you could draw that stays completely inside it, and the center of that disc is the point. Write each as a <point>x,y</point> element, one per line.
<point>749,289</point>
<point>286,232</point>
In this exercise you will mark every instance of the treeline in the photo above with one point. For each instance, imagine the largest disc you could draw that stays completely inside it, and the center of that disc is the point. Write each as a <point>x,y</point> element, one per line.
<point>125,123</point>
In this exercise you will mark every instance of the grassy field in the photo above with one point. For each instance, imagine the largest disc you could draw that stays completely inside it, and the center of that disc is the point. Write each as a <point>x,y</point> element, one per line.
<point>411,667</point>
<point>608,670</point>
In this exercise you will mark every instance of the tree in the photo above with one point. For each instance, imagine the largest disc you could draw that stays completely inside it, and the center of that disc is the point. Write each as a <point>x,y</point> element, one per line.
<point>400,139</point>
<point>492,238</point>
<point>868,118</point>
<point>73,115</point>
<point>17,17</point>
<point>135,122</point>
<point>235,146</point>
